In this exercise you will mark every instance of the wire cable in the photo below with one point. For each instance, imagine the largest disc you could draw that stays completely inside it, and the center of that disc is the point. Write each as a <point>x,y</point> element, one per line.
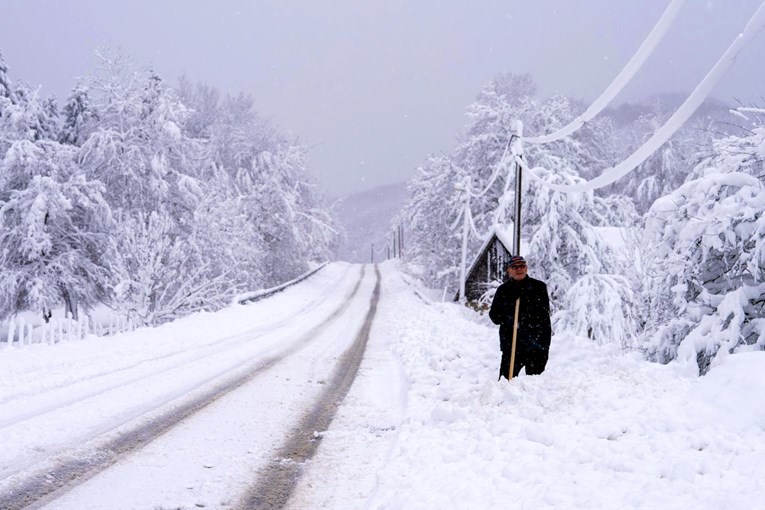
<point>621,80</point>
<point>753,27</point>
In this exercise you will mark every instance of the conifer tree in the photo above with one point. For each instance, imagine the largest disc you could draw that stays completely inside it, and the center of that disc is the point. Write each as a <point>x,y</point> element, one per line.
<point>79,117</point>
<point>5,86</point>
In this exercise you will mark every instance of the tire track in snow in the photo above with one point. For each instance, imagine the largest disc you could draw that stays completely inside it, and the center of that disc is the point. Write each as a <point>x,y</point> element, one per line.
<point>70,469</point>
<point>15,466</point>
<point>279,479</point>
<point>184,357</point>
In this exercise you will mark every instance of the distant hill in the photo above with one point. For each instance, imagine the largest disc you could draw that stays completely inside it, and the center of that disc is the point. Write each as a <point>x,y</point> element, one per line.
<point>712,111</point>
<point>367,217</point>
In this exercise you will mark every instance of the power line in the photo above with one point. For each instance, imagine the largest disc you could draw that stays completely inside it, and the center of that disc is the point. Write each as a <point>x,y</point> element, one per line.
<point>755,24</point>
<point>621,80</point>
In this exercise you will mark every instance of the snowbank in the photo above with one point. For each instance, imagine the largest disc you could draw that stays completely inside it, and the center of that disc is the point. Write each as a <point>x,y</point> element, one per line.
<point>598,429</point>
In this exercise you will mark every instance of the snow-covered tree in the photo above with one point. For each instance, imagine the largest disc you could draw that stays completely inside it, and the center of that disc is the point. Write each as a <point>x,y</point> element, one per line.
<point>480,164</point>
<point>292,230</point>
<point>24,117</point>
<point>138,149</point>
<point>206,113</point>
<point>484,153</point>
<point>224,231</point>
<point>5,84</point>
<point>433,247</point>
<point>667,168</point>
<point>708,272</point>
<point>267,177</point>
<point>52,228</point>
<point>206,200</point>
<point>7,109</point>
<point>227,239</point>
<point>583,275</point>
<point>563,243</point>
<point>79,117</point>
<point>39,118</point>
<point>559,229</point>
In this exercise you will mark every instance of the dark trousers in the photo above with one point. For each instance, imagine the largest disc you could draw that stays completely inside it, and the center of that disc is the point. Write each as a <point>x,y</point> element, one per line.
<point>534,360</point>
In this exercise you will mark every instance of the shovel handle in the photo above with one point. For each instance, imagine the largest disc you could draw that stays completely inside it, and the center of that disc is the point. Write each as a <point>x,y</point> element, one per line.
<point>515,338</point>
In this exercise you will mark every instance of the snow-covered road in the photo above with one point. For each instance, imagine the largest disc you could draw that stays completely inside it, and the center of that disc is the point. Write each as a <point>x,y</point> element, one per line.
<point>425,424</point>
<point>277,355</point>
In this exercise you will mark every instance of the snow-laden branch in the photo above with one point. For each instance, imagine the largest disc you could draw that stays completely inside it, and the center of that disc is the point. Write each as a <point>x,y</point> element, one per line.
<point>751,110</point>
<point>665,132</point>
<point>622,79</point>
<point>314,218</point>
<point>739,112</point>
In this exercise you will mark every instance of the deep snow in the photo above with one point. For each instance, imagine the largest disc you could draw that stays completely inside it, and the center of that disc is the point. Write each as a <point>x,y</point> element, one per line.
<point>427,425</point>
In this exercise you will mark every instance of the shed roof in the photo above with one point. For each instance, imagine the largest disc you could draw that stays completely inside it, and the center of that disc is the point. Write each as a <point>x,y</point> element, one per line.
<point>503,232</point>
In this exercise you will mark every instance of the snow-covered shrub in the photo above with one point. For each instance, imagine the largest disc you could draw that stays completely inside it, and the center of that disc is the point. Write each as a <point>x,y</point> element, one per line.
<point>158,275</point>
<point>601,307</point>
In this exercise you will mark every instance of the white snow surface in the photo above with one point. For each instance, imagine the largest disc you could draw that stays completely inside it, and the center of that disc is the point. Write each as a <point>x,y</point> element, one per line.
<point>426,424</point>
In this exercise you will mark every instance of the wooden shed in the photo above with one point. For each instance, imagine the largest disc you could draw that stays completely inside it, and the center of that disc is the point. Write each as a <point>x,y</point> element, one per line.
<point>488,268</point>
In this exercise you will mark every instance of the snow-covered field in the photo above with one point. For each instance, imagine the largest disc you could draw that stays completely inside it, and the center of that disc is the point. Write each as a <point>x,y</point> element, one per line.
<point>426,424</point>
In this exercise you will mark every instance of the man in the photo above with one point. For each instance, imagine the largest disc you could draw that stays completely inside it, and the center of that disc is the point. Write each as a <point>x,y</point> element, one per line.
<point>534,329</point>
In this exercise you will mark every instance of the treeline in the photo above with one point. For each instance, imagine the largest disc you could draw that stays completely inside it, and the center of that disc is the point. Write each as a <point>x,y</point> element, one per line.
<point>693,284</point>
<point>152,200</point>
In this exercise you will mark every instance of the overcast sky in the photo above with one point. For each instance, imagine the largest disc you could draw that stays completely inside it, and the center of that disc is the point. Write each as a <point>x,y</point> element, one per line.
<point>372,87</point>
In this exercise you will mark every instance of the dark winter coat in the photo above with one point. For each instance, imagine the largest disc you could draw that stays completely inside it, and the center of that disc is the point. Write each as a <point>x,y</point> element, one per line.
<point>534,328</point>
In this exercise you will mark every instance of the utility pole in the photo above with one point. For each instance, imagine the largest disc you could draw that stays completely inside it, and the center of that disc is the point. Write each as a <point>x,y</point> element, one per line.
<point>372,255</point>
<point>401,235</point>
<point>516,148</point>
<point>464,187</point>
<point>517,220</point>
